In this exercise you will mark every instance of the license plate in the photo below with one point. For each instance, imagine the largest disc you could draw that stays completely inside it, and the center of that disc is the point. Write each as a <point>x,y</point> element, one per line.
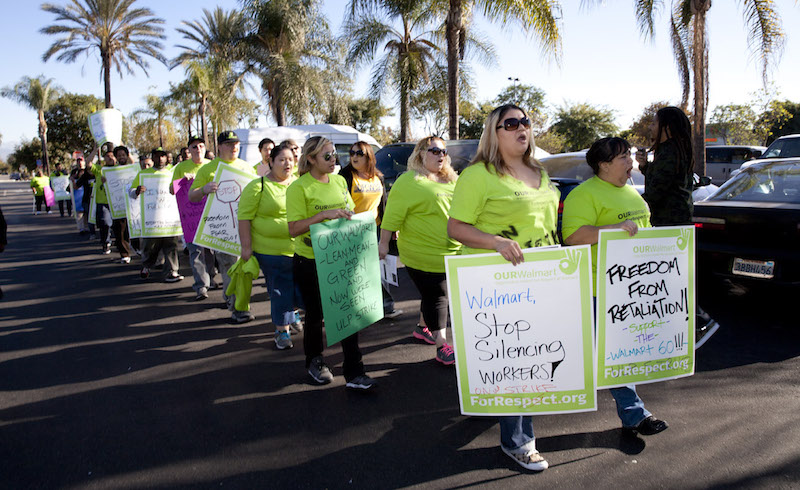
<point>754,268</point>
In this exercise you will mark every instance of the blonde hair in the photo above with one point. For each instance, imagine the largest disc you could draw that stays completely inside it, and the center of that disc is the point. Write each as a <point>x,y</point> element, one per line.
<point>311,148</point>
<point>489,147</point>
<point>416,161</point>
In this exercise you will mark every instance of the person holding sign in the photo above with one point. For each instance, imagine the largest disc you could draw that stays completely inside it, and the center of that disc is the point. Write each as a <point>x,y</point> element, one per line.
<point>320,195</point>
<point>60,172</point>
<point>168,245</point>
<point>365,183</point>
<point>504,202</point>
<point>120,225</point>
<point>598,204</point>
<point>102,211</point>
<point>418,209</point>
<point>264,233</point>
<point>38,184</point>
<point>203,185</point>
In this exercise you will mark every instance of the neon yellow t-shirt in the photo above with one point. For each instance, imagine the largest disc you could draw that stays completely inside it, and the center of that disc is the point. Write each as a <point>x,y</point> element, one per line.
<point>599,203</point>
<point>187,168</point>
<point>507,207</point>
<point>152,170</point>
<point>367,194</point>
<point>39,183</point>
<point>265,207</point>
<point>207,171</point>
<point>100,196</point>
<point>307,196</point>
<point>418,208</point>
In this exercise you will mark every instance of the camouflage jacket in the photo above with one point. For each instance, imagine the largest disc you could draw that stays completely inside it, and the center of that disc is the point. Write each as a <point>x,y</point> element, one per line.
<point>668,187</point>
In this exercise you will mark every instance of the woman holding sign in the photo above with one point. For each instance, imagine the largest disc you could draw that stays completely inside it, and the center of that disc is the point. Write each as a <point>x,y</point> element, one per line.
<point>320,195</point>
<point>417,209</point>
<point>595,205</point>
<point>263,231</point>
<point>504,202</point>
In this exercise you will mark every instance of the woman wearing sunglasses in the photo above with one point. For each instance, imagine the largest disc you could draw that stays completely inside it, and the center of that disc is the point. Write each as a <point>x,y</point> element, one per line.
<point>504,202</point>
<point>365,183</point>
<point>417,208</point>
<point>318,188</point>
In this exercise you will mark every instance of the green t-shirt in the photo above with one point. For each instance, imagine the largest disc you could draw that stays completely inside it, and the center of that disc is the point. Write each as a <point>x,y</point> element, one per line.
<point>599,203</point>
<point>507,207</point>
<point>265,207</point>
<point>152,170</point>
<point>100,195</point>
<point>207,171</point>
<point>307,196</point>
<point>39,183</point>
<point>418,208</point>
<point>187,168</point>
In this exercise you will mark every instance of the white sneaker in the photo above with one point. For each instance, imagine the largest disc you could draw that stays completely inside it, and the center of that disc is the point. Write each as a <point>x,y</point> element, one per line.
<point>530,460</point>
<point>125,260</point>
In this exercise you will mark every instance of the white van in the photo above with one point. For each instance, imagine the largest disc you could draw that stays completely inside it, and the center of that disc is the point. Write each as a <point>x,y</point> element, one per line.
<point>343,138</point>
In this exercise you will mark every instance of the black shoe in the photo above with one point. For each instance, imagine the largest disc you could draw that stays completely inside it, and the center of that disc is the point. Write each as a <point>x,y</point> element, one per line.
<point>647,427</point>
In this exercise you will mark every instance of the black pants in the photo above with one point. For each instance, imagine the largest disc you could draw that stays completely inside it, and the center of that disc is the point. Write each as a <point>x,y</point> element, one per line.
<point>305,273</point>
<point>432,288</point>
<point>61,207</point>
<point>39,201</point>
<point>121,236</point>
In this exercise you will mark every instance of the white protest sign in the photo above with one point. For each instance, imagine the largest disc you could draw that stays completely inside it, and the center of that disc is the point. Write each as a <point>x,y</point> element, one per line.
<point>523,336</point>
<point>106,125</point>
<point>133,211</point>
<point>389,270</point>
<point>219,226</point>
<point>645,306</point>
<point>160,216</point>
<point>93,204</point>
<point>59,185</point>
<point>118,182</point>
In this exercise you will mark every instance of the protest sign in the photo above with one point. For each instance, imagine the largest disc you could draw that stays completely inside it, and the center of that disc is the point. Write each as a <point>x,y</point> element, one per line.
<point>106,125</point>
<point>160,215</point>
<point>523,335</point>
<point>190,212</point>
<point>77,200</point>
<point>645,306</point>
<point>133,211</point>
<point>219,225</point>
<point>389,270</point>
<point>93,204</point>
<point>118,183</point>
<point>346,254</point>
<point>49,196</point>
<point>59,185</point>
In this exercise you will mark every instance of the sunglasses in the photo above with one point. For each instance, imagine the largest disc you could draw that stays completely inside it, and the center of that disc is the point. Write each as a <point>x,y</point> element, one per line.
<point>512,123</point>
<point>438,151</point>
<point>356,152</point>
<point>327,156</point>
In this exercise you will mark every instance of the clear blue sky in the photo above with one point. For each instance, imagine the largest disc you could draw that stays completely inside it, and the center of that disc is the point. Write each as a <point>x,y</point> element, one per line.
<point>605,61</point>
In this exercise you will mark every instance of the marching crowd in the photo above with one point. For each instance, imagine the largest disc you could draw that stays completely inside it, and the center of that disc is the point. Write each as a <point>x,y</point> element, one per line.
<point>503,202</point>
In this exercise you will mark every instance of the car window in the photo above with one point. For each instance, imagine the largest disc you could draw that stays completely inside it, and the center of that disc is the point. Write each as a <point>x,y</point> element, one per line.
<point>769,183</point>
<point>392,160</point>
<point>718,155</point>
<point>461,153</point>
<point>783,148</point>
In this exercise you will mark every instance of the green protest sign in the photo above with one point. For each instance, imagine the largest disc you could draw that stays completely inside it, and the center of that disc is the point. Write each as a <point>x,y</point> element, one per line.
<point>219,225</point>
<point>346,254</point>
<point>645,306</point>
<point>523,335</point>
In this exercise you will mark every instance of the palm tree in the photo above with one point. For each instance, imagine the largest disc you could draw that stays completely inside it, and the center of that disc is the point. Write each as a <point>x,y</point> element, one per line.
<point>38,94</point>
<point>535,17</point>
<point>157,108</point>
<point>123,35</point>
<point>690,48</point>
<point>408,53</point>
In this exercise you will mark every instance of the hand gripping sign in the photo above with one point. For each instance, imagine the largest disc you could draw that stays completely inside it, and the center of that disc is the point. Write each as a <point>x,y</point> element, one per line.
<point>645,306</point>
<point>523,335</point>
<point>219,228</point>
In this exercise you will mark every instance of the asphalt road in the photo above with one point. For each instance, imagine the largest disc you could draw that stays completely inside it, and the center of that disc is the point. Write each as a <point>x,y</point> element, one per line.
<point>108,381</point>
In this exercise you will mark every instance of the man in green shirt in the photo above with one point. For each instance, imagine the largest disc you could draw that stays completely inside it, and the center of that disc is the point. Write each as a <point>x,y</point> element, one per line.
<point>203,185</point>
<point>60,172</point>
<point>38,183</point>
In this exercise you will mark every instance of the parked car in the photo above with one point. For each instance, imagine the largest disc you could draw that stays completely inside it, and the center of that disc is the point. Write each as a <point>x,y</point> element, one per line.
<point>749,230</point>
<point>723,159</point>
<point>14,176</point>
<point>784,147</point>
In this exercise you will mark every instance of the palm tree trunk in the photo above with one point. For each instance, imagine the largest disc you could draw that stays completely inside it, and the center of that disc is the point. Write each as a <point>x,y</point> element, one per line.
<point>700,73</point>
<point>454,25</point>
<point>277,104</point>
<point>160,133</point>
<point>43,138</point>
<point>203,124</point>
<point>106,58</point>
<point>405,105</point>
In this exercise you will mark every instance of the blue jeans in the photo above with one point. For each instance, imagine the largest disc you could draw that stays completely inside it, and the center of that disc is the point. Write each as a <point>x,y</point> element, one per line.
<point>516,432</point>
<point>284,293</point>
<point>199,259</point>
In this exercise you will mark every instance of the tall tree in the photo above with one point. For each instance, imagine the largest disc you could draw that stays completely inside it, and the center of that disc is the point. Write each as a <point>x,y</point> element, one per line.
<point>38,94</point>
<point>68,126</point>
<point>582,124</point>
<point>538,18</point>
<point>155,112</point>
<point>690,48</point>
<point>123,35</point>
<point>409,52</point>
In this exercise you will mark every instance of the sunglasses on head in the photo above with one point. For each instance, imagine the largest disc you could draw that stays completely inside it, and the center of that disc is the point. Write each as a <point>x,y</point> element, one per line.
<point>327,156</point>
<point>438,151</point>
<point>512,123</point>
<point>356,152</point>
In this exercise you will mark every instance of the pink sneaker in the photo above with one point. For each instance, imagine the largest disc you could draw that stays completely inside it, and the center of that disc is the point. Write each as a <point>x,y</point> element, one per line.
<point>423,334</point>
<point>445,355</point>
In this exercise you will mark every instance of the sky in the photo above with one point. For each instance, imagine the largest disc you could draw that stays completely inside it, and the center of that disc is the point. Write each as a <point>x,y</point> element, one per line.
<point>605,61</point>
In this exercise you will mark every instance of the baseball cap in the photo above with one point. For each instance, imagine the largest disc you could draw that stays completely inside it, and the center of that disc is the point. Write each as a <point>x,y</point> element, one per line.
<point>227,137</point>
<point>192,139</point>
